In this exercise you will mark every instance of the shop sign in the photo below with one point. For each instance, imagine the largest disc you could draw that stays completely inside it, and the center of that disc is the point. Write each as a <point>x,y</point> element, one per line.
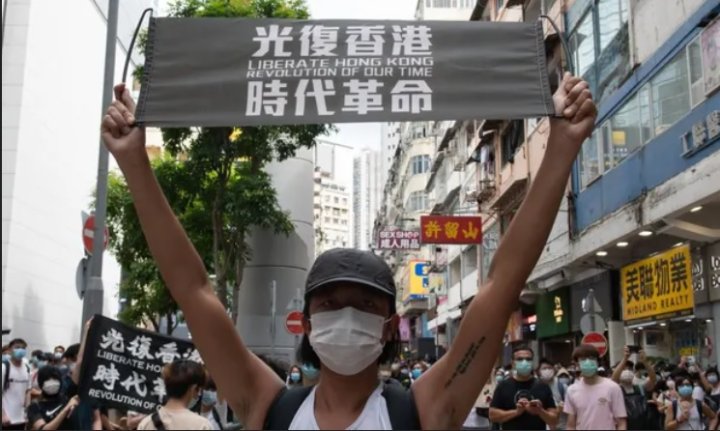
<point>553,315</point>
<point>392,238</point>
<point>513,333</point>
<point>701,134</point>
<point>659,286</point>
<point>699,273</point>
<point>418,280</point>
<point>451,230</point>
<point>712,268</point>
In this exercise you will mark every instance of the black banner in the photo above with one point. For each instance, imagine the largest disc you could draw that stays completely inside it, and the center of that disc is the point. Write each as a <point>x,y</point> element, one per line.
<point>122,366</point>
<point>260,72</point>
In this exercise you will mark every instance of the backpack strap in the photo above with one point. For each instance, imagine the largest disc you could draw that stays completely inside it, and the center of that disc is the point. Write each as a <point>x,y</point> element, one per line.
<point>6,378</point>
<point>675,409</point>
<point>699,405</point>
<point>157,422</point>
<point>401,407</point>
<point>216,416</point>
<point>283,409</point>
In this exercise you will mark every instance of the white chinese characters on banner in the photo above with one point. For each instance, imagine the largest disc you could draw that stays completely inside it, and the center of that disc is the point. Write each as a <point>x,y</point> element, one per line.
<point>366,70</point>
<point>137,383</point>
<point>168,353</point>
<point>114,340</point>
<point>140,348</point>
<point>107,375</point>
<point>366,40</point>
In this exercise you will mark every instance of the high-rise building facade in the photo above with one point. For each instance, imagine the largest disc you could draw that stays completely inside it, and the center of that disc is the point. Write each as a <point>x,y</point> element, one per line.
<point>52,77</point>
<point>366,196</point>
<point>332,213</point>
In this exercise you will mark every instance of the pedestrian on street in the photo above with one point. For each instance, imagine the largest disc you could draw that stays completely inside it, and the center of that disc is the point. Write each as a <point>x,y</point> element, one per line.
<point>350,321</point>
<point>53,411</point>
<point>558,385</point>
<point>208,406</point>
<point>687,413</point>
<point>594,402</point>
<point>16,386</point>
<point>523,402</point>
<point>637,390</point>
<point>295,377</point>
<point>184,382</point>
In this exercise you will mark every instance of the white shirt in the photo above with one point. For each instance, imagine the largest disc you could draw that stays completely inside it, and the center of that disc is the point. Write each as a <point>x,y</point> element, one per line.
<point>375,415</point>
<point>694,421</point>
<point>13,400</point>
<point>211,418</point>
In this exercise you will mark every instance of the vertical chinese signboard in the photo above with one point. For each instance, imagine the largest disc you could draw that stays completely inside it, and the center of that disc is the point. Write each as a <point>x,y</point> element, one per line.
<point>451,230</point>
<point>122,366</point>
<point>553,314</point>
<point>418,280</point>
<point>658,287</point>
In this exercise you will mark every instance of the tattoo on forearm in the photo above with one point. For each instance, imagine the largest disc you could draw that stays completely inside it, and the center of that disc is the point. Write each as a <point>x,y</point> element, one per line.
<point>465,361</point>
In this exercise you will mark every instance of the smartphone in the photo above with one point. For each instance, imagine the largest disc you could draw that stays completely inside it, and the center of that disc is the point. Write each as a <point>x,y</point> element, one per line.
<point>691,360</point>
<point>634,349</point>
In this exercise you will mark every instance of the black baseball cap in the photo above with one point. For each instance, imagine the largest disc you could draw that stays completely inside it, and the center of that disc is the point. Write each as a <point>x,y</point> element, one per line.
<point>353,266</point>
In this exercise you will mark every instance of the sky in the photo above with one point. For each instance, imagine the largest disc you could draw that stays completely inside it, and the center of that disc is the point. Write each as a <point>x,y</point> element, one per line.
<point>361,135</point>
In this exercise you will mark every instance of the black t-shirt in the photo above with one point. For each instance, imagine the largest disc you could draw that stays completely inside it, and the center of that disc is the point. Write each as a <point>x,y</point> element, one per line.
<point>510,391</point>
<point>48,410</point>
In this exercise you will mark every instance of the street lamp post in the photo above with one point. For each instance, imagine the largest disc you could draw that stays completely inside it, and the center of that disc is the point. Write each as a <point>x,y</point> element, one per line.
<point>94,292</point>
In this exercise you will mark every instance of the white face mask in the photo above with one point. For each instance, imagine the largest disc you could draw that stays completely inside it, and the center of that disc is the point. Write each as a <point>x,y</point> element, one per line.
<point>51,387</point>
<point>348,340</point>
<point>627,377</point>
<point>547,374</point>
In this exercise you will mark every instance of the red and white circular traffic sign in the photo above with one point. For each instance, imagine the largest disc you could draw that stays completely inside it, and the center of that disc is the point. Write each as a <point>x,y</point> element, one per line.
<point>598,340</point>
<point>293,323</point>
<point>89,234</point>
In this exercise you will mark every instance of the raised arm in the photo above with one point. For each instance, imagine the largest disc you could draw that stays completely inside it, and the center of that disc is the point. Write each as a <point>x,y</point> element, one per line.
<point>621,366</point>
<point>249,385</point>
<point>451,385</point>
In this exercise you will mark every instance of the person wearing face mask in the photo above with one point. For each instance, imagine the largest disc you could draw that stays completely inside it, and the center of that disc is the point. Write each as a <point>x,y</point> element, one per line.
<point>594,402</point>
<point>17,386</point>
<point>184,382</point>
<point>350,320</point>
<point>208,406</point>
<point>558,385</point>
<point>636,390</point>
<point>53,411</point>
<point>523,402</point>
<point>418,370</point>
<point>711,383</point>
<point>687,413</point>
<point>295,377</point>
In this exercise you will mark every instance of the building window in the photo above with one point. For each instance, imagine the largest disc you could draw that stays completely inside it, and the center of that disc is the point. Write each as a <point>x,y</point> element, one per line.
<point>600,46</point>
<point>336,200</point>
<point>671,93</point>
<point>420,164</point>
<point>512,139</point>
<point>695,63</point>
<point>589,160</point>
<point>626,136</point>
<point>417,201</point>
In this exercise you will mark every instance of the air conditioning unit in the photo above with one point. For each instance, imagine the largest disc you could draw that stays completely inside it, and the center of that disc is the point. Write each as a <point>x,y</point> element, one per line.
<point>471,195</point>
<point>486,189</point>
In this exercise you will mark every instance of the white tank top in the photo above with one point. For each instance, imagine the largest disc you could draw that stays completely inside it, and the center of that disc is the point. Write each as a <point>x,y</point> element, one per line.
<point>694,420</point>
<point>374,416</point>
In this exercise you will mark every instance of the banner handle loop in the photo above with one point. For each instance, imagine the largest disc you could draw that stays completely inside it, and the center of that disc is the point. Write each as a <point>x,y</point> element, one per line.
<point>132,42</point>
<point>563,41</point>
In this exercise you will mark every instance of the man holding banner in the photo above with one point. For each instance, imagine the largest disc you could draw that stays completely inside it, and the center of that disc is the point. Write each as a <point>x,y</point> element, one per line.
<point>350,322</point>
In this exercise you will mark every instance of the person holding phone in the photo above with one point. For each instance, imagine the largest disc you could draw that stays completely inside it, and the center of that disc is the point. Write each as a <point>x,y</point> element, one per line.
<point>637,390</point>
<point>522,402</point>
